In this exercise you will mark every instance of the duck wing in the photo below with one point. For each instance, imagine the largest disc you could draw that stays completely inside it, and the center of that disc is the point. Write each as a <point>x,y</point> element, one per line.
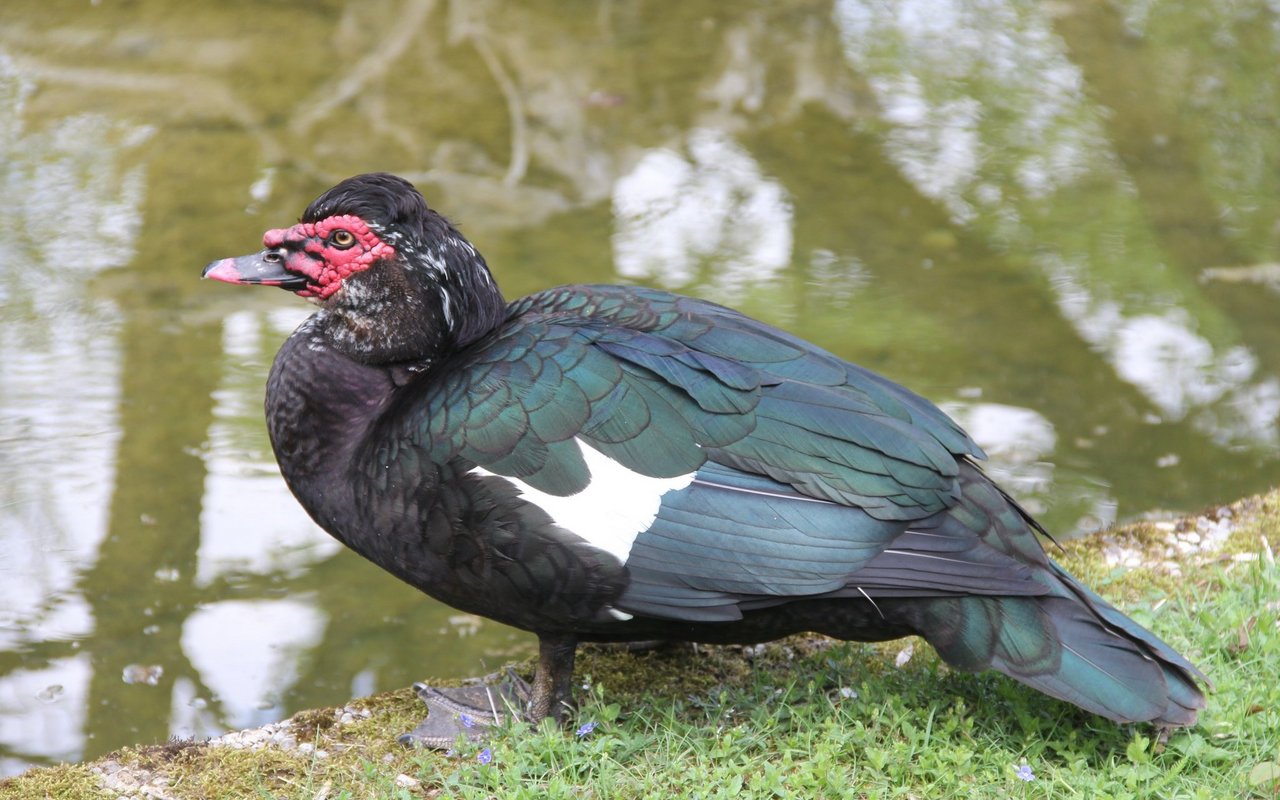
<point>789,471</point>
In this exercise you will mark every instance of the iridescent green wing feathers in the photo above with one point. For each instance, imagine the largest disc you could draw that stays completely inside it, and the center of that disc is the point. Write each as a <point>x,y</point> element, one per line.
<point>662,383</point>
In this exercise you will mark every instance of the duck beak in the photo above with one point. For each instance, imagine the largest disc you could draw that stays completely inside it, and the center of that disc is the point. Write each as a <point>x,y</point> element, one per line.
<point>265,268</point>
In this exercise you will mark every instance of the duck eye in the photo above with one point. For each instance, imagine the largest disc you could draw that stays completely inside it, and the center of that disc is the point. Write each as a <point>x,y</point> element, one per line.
<point>342,239</point>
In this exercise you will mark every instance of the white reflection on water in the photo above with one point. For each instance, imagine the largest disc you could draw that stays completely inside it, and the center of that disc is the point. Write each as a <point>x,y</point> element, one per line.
<point>1020,444</point>
<point>243,484</point>
<point>1008,434</point>
<point>249,678</point>
<point>40,728</point>
<point>963,85</point>
<point>59,391</point>
<point>1178,369</point>
<point>59,375</point>
<point>709,215</point>
<point>190,716</point>
<point>982,111</point>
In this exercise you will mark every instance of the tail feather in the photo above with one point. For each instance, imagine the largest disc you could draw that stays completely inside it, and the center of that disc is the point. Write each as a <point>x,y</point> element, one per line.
<point>1069,648</point>
<point>1057,636</point>
<point>1096,669</point>
<point>1116,619</point>
<point>1180,676</point>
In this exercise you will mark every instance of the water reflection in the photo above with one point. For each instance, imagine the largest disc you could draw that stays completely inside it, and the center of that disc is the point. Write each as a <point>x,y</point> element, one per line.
<point>992,121</point>
<point>1021,444</point>
<point>1006,206</point>
<point>710,219</point>
<point>981,100</point>
<point>35,721</point>
<point>59,389</point>
<point>1179,370</point>
<point>272,637</point>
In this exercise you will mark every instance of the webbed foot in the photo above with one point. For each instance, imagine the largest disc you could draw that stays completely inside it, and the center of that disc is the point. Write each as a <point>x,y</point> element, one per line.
<point>470,711</point>
<point>467,711</point>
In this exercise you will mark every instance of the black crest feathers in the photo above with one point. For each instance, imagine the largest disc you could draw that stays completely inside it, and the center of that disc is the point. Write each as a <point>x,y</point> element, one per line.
<point>377,198</point>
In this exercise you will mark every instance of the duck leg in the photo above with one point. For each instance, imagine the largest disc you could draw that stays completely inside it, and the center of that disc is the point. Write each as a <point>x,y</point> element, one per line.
<point>553,680</point>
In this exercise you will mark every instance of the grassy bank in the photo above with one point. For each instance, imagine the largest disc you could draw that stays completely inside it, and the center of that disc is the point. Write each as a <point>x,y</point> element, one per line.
<point>808,717</point>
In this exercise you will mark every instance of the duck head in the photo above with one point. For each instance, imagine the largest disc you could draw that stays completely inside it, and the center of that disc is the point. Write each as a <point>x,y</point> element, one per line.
<point>394,280</point>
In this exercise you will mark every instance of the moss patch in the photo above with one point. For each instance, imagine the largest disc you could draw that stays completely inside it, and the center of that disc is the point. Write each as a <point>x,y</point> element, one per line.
<point>69,780</point>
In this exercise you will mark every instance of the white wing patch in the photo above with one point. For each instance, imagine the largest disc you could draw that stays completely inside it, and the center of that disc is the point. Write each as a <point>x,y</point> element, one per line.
<point>616,507</point>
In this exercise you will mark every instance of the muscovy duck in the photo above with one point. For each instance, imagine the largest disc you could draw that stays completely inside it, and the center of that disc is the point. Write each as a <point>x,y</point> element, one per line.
<point>614,463</point>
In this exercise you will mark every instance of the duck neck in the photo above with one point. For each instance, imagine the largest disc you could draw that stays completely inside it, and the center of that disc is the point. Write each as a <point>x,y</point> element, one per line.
<point>321,406</point>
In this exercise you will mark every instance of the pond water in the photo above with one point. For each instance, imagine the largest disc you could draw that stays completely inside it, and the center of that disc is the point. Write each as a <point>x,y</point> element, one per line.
<point>1060,221</point>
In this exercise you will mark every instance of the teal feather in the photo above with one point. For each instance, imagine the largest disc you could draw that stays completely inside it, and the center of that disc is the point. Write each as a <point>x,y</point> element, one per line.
<point>564,472</point>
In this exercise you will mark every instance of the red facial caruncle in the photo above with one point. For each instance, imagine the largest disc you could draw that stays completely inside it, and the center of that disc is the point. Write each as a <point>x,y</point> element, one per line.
<point>327,252</point>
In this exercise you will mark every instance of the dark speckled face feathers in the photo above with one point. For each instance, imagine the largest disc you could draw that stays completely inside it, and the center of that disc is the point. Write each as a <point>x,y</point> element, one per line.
<point>396,281</point>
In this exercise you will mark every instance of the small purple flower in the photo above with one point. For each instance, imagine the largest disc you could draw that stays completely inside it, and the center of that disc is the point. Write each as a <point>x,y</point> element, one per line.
<point>586,729</point>
<point>1024,773</point>
<point>467,720</point>
<point>486,755</point>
